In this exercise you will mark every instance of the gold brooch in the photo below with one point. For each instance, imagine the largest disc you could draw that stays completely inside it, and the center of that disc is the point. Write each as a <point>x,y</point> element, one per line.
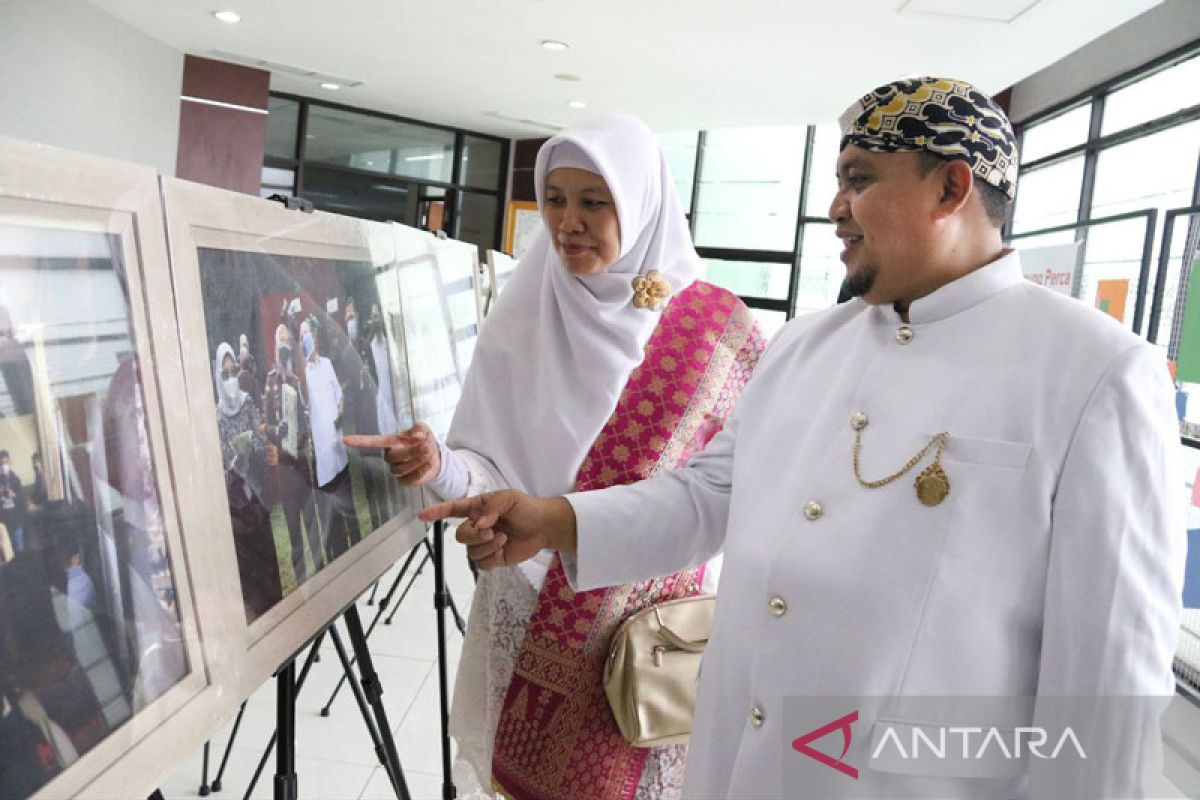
<point>650,291</point>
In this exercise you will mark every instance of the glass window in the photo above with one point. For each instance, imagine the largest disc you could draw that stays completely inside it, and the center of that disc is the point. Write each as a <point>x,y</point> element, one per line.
<point>360,195</point>
<point>1156,96</point>
<point>1112,260</point>
<point>277,181</point>
<point>749,278</point>
<point>477,220</point>
<point>750,188</point>
<point>1059,133</point>
<point>822,174</point>
<point>1049,196</point>
<point>481,165</point>
<point>821,269</point>
<point>1156,171</point>
<point>680,151</point>
<point>345,139</point>
<point>283,120</point>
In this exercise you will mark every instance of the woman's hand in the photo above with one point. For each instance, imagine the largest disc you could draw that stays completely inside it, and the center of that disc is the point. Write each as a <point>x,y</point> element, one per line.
<point>412,455</point>
<point>508,527</point>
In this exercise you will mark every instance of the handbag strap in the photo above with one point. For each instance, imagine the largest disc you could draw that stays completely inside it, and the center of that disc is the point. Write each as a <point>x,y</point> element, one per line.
<point>696,646</point>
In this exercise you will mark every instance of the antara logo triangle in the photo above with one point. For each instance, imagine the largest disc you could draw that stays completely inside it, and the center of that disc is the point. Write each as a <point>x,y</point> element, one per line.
<point>801,744</point>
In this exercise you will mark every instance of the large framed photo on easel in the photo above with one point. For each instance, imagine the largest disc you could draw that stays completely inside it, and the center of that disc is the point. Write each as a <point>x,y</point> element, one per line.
<point>287,347</point>
<point>102,659</point>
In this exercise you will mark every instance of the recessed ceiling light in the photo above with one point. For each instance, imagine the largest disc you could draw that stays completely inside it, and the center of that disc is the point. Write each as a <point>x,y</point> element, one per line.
<point>554,44</point>
<point>229,17</point>
<point>333,87</point>
<point>564,76</point>
<point>577,104</point>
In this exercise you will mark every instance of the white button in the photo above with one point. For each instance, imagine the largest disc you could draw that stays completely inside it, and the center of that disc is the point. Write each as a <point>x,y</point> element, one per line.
<point>859,420</point>
<point>813,510</point>
<point>757,717</point>
<point>777,606</point>
<point>904,335</point>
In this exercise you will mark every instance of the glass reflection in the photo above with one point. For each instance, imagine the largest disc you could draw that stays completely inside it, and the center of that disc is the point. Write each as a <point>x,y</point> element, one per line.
<point>90,632</point>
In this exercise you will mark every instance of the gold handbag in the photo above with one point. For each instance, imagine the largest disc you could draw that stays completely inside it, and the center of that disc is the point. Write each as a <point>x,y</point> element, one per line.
<point>652,667</point>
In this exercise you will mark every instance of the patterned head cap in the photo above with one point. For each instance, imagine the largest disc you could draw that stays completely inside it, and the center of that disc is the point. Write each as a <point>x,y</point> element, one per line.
<point>948,118</point>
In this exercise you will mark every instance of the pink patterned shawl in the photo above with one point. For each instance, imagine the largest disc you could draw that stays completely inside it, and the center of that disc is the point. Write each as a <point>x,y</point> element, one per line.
<point>556,737</point>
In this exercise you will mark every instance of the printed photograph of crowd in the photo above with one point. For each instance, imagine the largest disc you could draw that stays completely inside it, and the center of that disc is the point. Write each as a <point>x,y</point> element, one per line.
<point>301,356</point>
<point>90,632</point>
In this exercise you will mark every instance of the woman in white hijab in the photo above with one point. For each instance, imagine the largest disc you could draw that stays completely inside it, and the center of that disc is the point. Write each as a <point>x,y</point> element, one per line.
<point>580,380</point>
<point>243,451</point>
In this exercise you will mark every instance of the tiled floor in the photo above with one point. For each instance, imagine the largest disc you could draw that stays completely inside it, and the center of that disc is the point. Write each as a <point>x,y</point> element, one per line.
<point>335,759</point>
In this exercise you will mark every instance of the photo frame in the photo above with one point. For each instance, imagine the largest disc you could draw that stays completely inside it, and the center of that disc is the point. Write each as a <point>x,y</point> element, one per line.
<point>104,670</point>
<point>522,222</point>
<point>280,283</point>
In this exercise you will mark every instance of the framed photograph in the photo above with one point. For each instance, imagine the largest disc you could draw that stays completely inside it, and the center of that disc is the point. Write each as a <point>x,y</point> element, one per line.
<point>288,324</point>
<point>522,224</point>
<point>104,673</point>
<point>435,289</point>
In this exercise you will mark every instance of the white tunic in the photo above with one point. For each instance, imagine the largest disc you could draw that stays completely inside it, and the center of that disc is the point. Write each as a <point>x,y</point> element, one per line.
<point>1054,567</point>
<point>324,407</point>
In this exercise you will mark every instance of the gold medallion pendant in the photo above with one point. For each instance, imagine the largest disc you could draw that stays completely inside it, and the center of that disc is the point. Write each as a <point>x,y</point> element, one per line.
<point>933,485</point>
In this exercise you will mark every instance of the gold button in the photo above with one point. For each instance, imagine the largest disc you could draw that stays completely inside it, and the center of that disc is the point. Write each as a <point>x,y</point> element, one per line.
<point>777,606</point>
<point>757,717</point>
<point>813,510</point>
<point>904,335</point>
<point>858,420</point>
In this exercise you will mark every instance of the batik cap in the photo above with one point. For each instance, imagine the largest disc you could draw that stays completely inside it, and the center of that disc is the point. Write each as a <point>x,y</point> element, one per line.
<point>948,118</point>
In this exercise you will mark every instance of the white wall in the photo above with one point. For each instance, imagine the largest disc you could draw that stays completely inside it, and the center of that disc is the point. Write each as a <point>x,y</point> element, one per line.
<point>1158,31</point>
<point>75,77</point>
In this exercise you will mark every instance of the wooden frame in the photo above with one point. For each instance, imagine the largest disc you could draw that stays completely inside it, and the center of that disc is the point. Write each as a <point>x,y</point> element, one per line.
<point>522,221</point>
<point>44,190</point>
<point>200,217</point>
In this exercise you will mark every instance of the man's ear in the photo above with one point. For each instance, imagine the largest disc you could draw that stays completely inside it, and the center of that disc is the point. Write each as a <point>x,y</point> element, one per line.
<point>956,182</point>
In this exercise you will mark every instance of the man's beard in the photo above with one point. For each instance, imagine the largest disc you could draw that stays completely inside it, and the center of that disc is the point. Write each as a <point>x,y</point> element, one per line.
<point>859,283</point>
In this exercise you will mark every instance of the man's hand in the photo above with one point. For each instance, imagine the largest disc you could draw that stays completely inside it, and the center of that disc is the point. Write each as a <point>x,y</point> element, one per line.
<point>413,455</point>
<point>508,527</point>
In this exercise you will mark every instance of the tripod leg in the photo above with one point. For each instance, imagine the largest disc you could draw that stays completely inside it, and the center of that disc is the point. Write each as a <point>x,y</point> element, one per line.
<point>440,601</point>
<point>459,622</point>
<point>262,762</point>
<point>372,729</point>
<point>417,574</point>
<point>237,723</point>
<point>374,588</point>
<point>383,604</point>
<point>203,790</point>
<point>374,694</point>
<point>285,727</point>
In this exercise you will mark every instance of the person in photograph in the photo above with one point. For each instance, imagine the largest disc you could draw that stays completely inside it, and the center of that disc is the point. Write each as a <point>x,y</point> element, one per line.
<point>360,394</point>
<point>958,484</point>
<point>605,360</point>
<point>38,496</point>
<point>15,369</point>
<point>13,506</point>
<point>249,379</point>
<point>335,499</point>
<point>288,455</point>
<point>243,453</point>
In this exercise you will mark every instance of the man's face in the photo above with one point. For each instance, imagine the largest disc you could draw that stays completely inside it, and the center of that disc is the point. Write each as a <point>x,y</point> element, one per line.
<point>884,214</point>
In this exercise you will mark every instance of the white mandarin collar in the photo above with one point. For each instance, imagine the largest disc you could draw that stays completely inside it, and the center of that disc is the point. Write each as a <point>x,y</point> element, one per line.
<point>959,295</point>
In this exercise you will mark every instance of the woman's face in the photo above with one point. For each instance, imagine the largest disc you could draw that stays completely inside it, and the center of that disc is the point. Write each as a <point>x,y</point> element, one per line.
<point>581,216</point>
<point>228,368</point>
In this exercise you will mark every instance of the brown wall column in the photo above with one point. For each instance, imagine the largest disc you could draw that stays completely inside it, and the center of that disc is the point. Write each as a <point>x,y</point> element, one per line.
<point>222,145</point>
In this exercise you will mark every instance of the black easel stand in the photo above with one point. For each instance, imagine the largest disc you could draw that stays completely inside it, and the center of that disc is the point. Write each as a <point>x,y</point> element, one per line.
<point>438,564</point>
<point>372,689</point>
<point>203,790</point>
<point>237,723</point>
<point>285,727</point>
<point>383,606</point>
<point>308,662</point>
<point>442,599</point>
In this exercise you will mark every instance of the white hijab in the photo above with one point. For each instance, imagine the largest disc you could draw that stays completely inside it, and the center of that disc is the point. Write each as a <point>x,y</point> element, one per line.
<point>230,404</point>
<point>555,354</point>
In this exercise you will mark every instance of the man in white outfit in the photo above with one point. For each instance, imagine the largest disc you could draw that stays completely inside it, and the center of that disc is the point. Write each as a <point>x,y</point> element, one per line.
<point>958,484</point>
